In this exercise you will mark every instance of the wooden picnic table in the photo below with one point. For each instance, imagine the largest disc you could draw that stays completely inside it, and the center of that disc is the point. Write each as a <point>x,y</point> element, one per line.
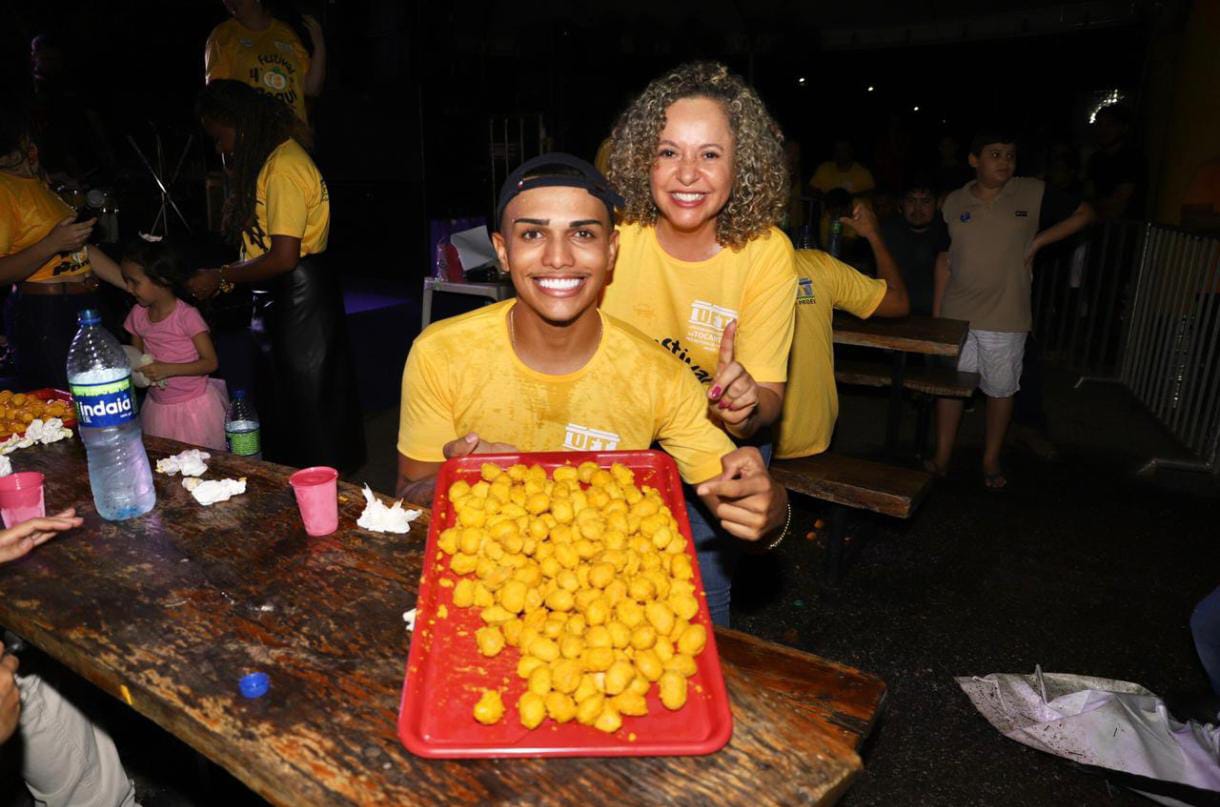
<point>167,611</point>
<point>931,336</point>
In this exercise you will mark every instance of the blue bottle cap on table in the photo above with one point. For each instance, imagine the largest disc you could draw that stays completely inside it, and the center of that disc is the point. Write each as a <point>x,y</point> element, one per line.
<point>89,316</point>
<point>254,685</point>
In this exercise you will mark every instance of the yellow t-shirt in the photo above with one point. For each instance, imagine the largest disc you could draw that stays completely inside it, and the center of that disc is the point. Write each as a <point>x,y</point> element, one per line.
<point>856,179</point>
<point>811,402</point>
<point>686,305</point>
<point>273,61</point>
<point>28,211</point>
<point>292,200</point>
<point>463,376</point>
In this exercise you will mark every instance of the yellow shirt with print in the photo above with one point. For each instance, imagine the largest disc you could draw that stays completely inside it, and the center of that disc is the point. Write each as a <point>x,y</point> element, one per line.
<point>28,211</point>
<point>811,402</point>
<point>291,200</point>
<point>686,305</point>
<point>463,376</point>
<point>272,61</point>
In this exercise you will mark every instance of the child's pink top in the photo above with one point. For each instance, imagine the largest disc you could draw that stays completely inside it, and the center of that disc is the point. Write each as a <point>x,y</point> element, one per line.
<point>170,341</point>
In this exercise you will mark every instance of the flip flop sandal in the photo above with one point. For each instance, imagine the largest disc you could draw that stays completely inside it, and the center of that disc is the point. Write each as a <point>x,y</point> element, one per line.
<point>995,482</point>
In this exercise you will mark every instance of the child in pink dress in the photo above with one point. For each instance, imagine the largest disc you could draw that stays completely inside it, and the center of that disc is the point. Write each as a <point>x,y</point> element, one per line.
<point>183,403</point>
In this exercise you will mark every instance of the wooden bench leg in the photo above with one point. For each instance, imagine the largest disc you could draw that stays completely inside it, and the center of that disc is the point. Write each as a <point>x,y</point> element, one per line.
<point>838,539</point>
<point>894,424</point>
<point>923,419</point>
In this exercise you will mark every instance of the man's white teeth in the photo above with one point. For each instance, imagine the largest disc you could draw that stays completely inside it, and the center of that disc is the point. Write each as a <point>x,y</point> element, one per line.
<point>559,283</point>
<point>688,197</point>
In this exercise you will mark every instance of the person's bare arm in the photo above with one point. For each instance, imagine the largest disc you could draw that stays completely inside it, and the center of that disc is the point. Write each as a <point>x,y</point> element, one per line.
<point>1081,217</point>
<point>316,75</point>
<point>284,255</point>
<point>940,281</point>
<point>105,268</point>
<point>896,302</point>
<point>206,363</point>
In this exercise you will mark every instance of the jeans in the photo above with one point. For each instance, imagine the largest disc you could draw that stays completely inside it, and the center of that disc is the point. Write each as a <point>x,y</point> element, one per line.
<point>1205,627</point>
<point>718,552</point>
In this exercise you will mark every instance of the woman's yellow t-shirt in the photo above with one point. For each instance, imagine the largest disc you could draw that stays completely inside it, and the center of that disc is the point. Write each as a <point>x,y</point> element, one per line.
<point>811,401</point>
<point>272,61</point>
<point>463,376</point>
<point>686,305</point>
<point>28,211</point>
<point>291,200</point>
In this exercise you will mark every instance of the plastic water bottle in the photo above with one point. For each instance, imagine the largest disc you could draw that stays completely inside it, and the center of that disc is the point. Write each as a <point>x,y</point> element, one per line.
<point>106,413</point>
<point>241,427</point>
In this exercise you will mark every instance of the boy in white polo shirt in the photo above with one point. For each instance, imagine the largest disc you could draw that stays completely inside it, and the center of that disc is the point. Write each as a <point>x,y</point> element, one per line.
<point>997,224</point>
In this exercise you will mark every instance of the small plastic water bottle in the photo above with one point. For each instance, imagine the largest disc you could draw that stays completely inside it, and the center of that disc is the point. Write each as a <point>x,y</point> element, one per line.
<point>241,427</point>
<point>100,379</point>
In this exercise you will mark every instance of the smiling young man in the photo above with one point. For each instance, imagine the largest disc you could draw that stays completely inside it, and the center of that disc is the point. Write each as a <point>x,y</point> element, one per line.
<point>548,371</point>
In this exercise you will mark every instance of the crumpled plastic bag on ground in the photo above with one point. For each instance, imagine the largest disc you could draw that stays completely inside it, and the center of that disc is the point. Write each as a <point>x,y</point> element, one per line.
<point>1098,721</point>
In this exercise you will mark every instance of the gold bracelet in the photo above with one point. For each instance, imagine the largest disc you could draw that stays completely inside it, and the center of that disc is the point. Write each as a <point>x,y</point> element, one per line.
<point>225,285</point>
<point>784,534</point>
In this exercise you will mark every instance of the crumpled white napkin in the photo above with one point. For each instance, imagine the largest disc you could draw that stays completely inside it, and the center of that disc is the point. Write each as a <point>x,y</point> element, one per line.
<point>187,463</point>
<point>43,432</point>
<point>214,490</point>
<point>137,360</point>
<point>379,518</point>
<point>6,467</point>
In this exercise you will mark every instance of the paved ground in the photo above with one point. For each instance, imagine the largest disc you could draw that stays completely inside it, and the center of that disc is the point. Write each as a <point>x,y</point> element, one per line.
<point>1080,567</point>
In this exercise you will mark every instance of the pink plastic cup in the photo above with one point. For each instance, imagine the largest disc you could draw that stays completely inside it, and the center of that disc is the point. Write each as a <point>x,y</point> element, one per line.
<point>21,497</point>
<point>317,491</point>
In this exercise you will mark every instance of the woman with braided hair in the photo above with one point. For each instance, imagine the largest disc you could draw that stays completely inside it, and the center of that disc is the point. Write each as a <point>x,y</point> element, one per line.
<point>278,212</point>
<point>702,267</point>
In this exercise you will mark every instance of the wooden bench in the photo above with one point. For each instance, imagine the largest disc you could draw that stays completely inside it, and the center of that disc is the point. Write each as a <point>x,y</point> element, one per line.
<point>931,381</point>
<point>849,483</point>
<point>943,382</point>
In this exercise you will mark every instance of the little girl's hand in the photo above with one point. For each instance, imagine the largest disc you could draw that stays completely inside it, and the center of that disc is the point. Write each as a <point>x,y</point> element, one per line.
<point>155,372</point>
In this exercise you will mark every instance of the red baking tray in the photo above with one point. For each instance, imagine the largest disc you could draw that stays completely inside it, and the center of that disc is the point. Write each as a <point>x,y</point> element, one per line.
<point>48,394</point>
<point>445,673</point>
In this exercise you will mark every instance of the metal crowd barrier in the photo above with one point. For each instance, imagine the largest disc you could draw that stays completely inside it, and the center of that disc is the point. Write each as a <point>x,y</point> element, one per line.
<point>1139,304</point>
<point>1171,353</point>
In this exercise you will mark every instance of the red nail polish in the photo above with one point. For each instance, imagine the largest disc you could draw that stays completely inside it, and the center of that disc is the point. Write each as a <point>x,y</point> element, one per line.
<point>715,393</point>
<point>723,404</point>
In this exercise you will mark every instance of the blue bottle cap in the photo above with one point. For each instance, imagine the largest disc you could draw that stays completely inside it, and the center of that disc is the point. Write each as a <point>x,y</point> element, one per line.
<point>254,685</point>
<point>239,394</point>
<point>89,316</point>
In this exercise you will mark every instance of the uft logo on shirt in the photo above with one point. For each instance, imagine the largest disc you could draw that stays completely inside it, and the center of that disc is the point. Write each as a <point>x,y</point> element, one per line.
<point>707,323</point>
<point>582,438</point>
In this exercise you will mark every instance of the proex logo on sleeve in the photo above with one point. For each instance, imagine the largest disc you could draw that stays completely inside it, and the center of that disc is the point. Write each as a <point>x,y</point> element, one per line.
<point>100,406</point>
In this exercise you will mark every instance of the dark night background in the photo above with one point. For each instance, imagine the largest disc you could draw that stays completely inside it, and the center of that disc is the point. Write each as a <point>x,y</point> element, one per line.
<point>403,122</point>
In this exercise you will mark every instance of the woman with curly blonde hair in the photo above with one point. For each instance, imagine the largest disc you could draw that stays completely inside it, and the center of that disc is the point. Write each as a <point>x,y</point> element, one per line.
<point>702,267</point>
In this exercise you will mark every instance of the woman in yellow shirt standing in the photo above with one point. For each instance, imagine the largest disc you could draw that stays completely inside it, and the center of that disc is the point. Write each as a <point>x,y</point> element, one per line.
<point>702,267</point>
<point>43,252</point>
<point>279,212</point>
<point>256,48</point>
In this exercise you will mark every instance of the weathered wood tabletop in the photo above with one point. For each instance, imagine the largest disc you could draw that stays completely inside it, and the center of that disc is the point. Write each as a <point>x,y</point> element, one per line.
<point>167,611</point>
<point>915,334</point>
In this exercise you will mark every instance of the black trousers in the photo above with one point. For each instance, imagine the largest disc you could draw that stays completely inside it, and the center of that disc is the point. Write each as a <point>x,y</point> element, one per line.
<point>309,403</point>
